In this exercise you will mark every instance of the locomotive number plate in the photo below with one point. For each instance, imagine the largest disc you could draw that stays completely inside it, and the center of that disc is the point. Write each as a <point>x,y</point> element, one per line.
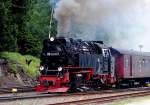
<point>52,54</point>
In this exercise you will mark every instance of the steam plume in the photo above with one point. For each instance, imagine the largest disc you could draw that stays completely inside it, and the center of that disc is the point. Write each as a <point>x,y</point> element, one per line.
<point>122,23</point>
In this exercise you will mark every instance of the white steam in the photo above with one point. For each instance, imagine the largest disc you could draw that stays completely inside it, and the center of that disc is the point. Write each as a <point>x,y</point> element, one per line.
<point>121,23</point>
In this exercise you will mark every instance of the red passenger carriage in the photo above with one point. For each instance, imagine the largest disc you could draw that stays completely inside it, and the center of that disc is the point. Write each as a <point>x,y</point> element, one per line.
<point>132,67</point>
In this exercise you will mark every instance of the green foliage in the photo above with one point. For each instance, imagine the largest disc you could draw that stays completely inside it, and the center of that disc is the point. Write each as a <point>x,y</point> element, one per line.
<point>24,25</point>
<point>38,17</point>
<point>13,68</point>
<point>8,40</point>
<point>31,69</point>
<point>29,44</point>
<point>36,26</point>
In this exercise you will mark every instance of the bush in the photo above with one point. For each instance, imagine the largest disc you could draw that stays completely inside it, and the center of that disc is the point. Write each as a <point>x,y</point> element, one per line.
<point>31,69</point>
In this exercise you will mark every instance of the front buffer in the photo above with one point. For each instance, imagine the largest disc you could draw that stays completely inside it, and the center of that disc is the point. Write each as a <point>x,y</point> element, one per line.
<point>53,83</point>
<point>62,81</point>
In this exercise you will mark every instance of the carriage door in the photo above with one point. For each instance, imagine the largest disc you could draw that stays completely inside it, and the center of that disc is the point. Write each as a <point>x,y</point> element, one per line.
<point>127,66</point>
<point>130,65</point>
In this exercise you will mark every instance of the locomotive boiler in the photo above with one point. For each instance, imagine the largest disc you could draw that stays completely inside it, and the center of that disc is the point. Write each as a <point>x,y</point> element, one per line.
<point>74,64</point>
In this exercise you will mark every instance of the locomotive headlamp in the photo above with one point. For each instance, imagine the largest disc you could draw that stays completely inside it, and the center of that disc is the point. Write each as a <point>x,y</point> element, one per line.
<point>59,68</point>
<point>79,75</point>
<point>51,38</point>
<point>41,68</point>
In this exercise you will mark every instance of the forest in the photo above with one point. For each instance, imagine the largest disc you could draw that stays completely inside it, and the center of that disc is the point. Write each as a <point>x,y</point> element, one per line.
<point>24,24</point>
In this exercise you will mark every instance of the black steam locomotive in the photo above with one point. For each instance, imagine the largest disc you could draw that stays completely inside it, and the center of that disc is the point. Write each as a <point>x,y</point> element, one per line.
<point>73,64</point>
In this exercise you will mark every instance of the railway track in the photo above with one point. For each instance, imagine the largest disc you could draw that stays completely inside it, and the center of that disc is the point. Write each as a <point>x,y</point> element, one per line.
<point>105,99</point>
<point>28,96</point>
<point>100,95</point>
<point>19,89</point>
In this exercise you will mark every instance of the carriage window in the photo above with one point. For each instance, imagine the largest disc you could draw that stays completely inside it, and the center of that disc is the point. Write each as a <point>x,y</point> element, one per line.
<point>126,62</point>
<point>143,61</point>
<point>140,65</point>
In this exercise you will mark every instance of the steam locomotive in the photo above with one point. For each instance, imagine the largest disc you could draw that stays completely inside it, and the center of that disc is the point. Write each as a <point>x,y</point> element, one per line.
<point>69,64</point>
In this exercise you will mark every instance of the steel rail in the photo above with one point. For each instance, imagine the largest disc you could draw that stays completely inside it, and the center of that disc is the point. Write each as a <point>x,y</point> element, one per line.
<point>20,89</point>
<point>16,96</point>
<point>103,99</point>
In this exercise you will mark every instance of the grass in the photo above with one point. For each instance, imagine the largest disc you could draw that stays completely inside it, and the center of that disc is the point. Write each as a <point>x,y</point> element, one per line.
<point>31,69</point>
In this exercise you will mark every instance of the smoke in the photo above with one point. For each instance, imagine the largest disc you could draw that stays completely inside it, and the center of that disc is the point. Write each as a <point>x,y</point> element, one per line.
<point>121,23</point>
<point>66,11</point>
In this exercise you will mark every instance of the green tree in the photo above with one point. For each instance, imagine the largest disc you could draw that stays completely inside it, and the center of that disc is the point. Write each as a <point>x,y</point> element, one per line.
<point>38,17</point>
<point>8,41</point>
<point>24,24</point>
<point>29,44</point>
